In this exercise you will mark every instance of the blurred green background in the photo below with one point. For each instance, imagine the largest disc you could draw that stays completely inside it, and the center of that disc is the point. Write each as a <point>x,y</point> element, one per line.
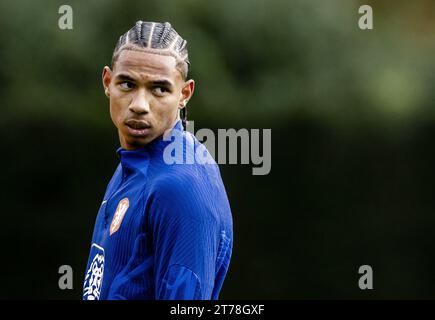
<point>352,117</point>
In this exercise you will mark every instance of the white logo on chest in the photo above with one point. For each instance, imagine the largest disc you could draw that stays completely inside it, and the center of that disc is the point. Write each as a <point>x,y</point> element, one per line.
<point>94,275</point>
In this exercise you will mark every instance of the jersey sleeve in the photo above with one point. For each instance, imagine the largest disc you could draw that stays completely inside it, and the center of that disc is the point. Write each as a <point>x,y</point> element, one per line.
<point>185,240</point>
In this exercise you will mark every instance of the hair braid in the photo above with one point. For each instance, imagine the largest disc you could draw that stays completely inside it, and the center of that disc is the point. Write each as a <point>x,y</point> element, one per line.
<point>156,37</point>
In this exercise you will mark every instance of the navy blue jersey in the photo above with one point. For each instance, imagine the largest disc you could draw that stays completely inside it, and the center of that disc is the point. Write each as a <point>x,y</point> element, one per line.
<point>163,231</point>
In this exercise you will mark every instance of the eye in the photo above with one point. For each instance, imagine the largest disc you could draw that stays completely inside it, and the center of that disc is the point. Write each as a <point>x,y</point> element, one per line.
<point>127,85</point>
<point>160,91</point>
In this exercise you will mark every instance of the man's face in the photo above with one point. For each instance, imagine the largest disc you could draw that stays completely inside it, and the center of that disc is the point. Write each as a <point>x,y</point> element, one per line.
<point>146,92</point>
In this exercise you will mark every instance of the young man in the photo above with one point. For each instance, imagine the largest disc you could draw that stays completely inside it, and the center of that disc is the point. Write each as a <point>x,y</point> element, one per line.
<point>163,231</point>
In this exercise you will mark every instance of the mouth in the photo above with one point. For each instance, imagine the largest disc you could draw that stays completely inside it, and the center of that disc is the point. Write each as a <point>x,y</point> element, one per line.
<point>138,127</point>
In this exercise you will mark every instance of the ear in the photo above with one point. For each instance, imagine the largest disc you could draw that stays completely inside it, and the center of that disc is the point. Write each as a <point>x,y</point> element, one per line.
<point>186,93</point>
<point>106,78</point>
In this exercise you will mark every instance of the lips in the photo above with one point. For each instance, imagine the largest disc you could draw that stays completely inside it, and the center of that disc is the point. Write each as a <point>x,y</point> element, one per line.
<point>137,127</point>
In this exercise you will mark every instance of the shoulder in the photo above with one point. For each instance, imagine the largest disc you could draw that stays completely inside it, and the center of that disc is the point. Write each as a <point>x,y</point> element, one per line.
<point>187,166</point>
<point>192,190</point>
<point>180,193</point>
<point>181,183</point>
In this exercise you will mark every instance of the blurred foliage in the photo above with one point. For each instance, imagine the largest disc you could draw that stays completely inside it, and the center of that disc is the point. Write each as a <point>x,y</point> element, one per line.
<point>254,60</point>
<point>352,123</point>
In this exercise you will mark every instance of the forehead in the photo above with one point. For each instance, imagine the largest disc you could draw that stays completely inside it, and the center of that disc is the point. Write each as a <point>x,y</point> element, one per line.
<point>146,64</point>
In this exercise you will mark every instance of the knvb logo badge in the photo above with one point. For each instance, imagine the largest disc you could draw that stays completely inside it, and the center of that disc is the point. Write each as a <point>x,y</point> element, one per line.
<point>119,215</point>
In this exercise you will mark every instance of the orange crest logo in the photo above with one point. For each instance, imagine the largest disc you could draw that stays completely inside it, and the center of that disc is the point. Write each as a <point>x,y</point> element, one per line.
<point>119,215</point>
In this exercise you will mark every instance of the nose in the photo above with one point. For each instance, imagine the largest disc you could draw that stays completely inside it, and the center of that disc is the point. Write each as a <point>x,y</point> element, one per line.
<point>140,103</point>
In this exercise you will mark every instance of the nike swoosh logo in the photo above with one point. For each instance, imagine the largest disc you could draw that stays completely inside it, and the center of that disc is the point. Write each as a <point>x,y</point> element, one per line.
<point>103,202</point>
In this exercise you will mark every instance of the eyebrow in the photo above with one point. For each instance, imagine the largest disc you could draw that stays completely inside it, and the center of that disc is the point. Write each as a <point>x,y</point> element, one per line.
<point>123,76</point>
<point>163,83</point>
<point>126,77</point>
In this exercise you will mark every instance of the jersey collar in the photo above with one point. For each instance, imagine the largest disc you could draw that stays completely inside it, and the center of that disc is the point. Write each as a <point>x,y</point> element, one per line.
<point>139,158</point>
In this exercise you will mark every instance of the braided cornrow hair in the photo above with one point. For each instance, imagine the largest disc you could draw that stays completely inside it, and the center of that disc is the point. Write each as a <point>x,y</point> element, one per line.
<point>159,38</point>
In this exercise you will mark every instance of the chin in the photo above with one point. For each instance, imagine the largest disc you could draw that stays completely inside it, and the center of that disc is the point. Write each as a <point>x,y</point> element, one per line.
<point>138,142</point>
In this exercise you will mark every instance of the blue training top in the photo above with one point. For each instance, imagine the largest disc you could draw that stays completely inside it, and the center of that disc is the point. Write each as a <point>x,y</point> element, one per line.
<point>163,231</point>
